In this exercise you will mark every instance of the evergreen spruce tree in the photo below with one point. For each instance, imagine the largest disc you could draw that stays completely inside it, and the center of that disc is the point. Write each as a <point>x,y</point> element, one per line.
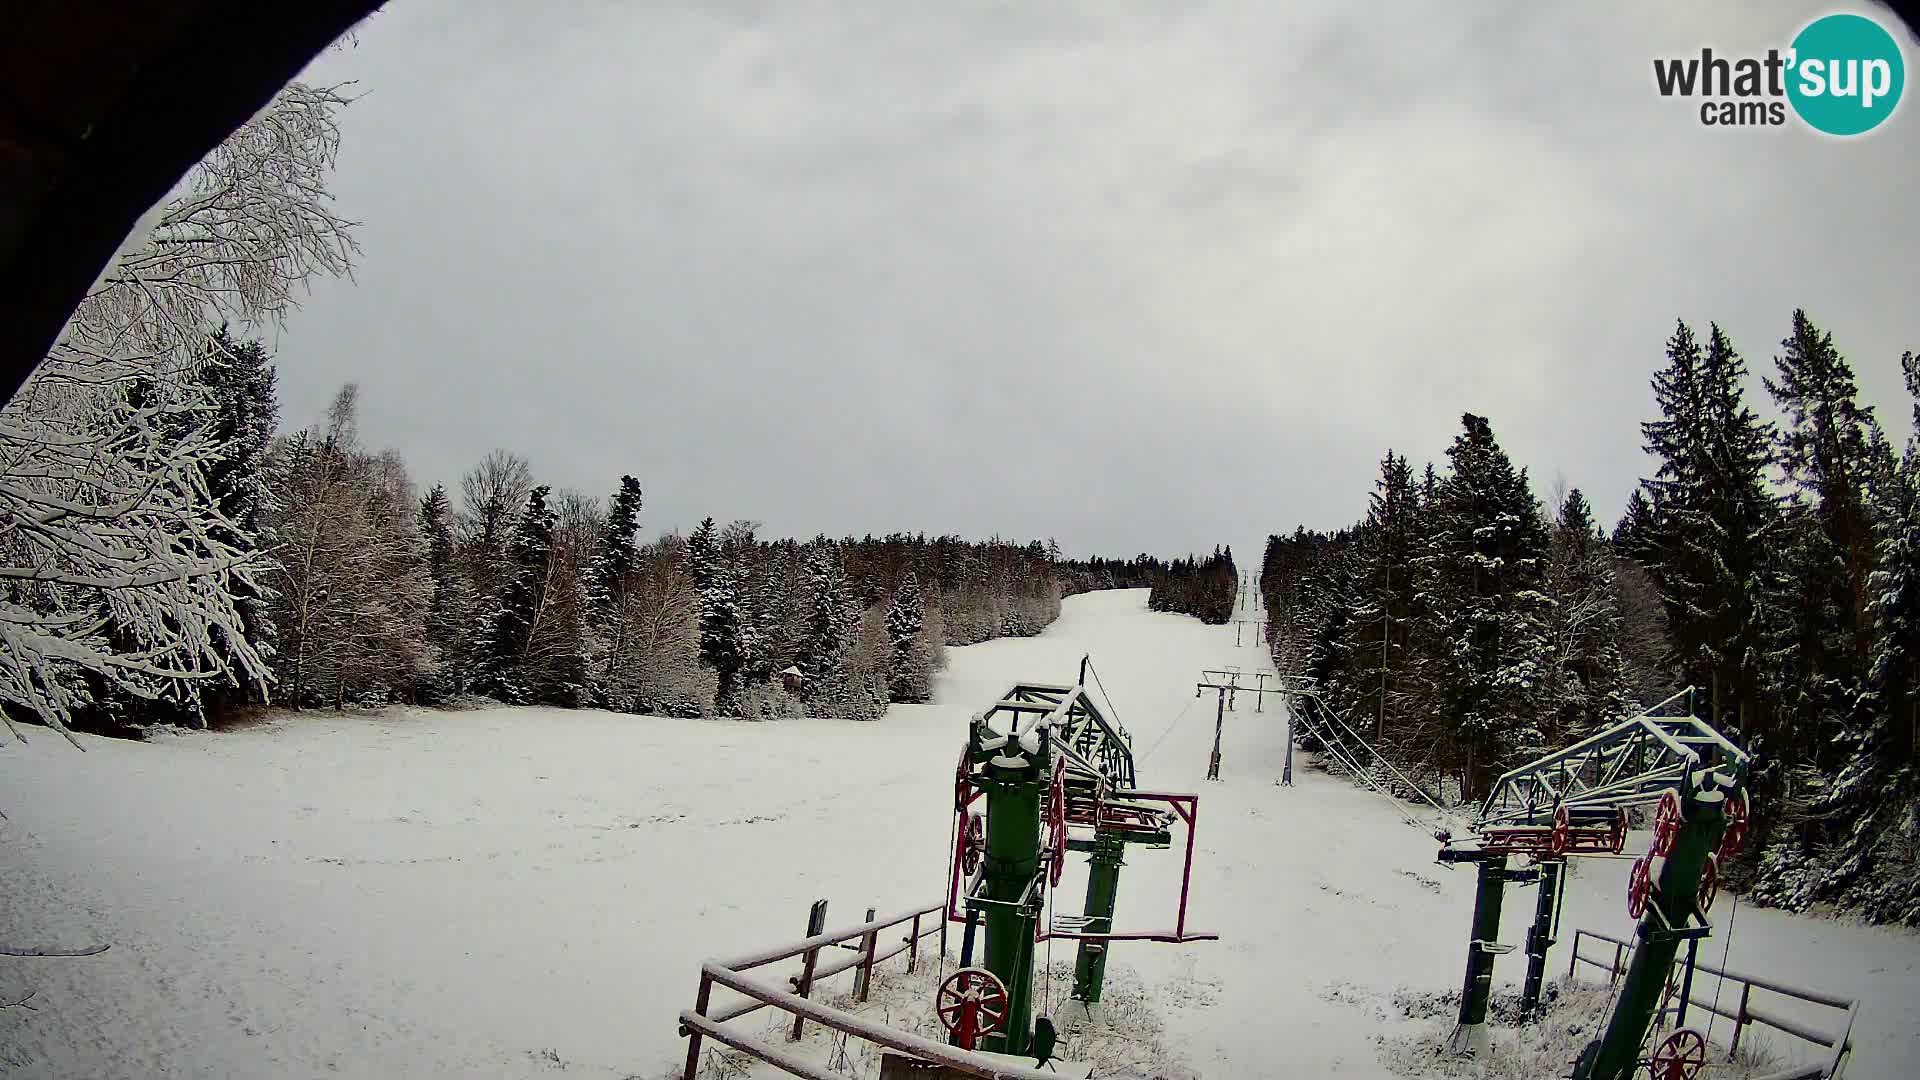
<point>1823,452</point>
<point>610,581</point>
<point>721,646</point>
<point>828,633</point>
<point>1489,564</point>
<point>534,651</point>
<point>1583,688</point>
<point>1637,536</point>
<point>1714,521</point>
<point>617,556</point>
<point>1819,633</point>
<point>1875,798</point>
<point>452,615</point>
<point>242,383</point>
<point>1374,641</point>
<point>500,672</point>
<point>906,617</point>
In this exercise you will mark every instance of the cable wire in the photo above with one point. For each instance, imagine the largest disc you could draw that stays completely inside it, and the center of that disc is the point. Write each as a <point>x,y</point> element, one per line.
<point>1721,980</point>
<point>1169,730</point>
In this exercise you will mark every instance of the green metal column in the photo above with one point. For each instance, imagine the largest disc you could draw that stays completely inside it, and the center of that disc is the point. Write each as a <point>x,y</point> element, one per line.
<point>1470,1036</point>
<point>1103,884</point>
<point>1669,911</point>
<point>1014,797</point>
<point>1540,936</point>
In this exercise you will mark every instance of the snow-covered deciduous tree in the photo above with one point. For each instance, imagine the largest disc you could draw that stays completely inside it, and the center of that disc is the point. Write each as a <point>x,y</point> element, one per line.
<point>493,495</point>
<point>116,557</point>
<point>353,587</point>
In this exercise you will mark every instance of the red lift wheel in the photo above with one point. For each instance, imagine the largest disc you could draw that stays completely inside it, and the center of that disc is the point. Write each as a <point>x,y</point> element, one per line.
<point>1736,833</point>
<point>1680,1057</point>
<point>1562,836</point>
<point>1057,823</point>
<point>962,784</point>
<point>1666,823</point>
<point>971,1002</point>
<point>1709,882</point>
<point>973,843</point>
<point>1618,839</point>
<point>1640,885</point>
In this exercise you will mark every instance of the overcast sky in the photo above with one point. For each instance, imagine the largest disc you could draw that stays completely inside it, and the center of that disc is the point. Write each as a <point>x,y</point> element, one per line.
<point>1139,276</point>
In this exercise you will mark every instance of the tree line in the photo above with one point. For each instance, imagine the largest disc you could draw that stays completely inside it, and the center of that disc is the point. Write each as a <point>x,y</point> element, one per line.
<point>1203,588</point>
<point>1775,568</point>
<point>371,592</point>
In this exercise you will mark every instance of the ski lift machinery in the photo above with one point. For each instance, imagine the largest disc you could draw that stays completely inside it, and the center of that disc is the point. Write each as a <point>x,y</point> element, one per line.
<point>1045,772</point>
<point>1574,803</point>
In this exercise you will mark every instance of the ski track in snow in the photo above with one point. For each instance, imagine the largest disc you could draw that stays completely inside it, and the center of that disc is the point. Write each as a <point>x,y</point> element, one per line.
<point>515,892</point>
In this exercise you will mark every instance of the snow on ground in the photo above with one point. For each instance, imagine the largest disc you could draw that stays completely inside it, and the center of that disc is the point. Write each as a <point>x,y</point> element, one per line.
<point>513,892</point>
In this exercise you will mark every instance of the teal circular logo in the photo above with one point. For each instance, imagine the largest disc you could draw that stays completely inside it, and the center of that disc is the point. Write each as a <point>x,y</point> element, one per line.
<point>1847,74</point>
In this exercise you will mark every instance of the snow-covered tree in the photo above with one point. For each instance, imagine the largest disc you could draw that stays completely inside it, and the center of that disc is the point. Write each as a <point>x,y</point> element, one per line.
<point>611,581</point>
<point>453,612</point>
<point>1582,688</point>
<point>535,652</point>
<point>493,495</point>
<point>722,643</point>
<point>1716,524</point>
<point>911,675</point>
<point>353,588</point>
<point>117,558</point>
<point>829,633</point>
<point>1484,582</point>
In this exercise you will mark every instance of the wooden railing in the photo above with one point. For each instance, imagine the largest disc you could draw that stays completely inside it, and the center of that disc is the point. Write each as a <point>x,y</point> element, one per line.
<point>1838,1042</point>
<point>862,944</point>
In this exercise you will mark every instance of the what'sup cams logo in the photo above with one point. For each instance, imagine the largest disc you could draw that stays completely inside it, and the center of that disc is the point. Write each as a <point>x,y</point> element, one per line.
<point>1842,75</point>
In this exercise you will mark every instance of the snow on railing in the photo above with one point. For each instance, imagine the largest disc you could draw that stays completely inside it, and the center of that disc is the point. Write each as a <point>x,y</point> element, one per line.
<point>1839,1043</point>
<point>699,1022</point>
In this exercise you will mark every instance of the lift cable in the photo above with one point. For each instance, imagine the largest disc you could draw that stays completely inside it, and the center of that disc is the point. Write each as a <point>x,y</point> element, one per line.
<point>1341,755</point>
<point>1175,722</point>
<point>1095,672</point>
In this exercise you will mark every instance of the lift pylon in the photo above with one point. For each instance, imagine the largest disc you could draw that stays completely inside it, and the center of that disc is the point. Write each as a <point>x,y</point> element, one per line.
<point>1055,776</point>
<point>1574,802</point>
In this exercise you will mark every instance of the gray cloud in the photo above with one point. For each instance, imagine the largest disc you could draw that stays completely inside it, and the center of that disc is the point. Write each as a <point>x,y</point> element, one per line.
<point>1141,277</point>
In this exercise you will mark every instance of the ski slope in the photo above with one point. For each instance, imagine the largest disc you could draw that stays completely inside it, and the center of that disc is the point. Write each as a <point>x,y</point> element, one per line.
<point>518,892</point>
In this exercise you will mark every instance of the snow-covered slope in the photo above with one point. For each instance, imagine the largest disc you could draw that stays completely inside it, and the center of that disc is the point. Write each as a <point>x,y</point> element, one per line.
<point>509,892</point>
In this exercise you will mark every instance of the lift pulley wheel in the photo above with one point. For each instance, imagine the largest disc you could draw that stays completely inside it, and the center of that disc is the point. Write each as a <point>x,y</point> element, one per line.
<point>1640,885</point>
<point>1709,883</point>
<point>1666,823</point>
<point>973,843</point>
<point>1736,833</point>
<point>1562,836</point>
<point>962,784</point>
<point>1057,823</point>
<point>971,1002</point>
<point>1680,1057</point>
<point>1618,838</point>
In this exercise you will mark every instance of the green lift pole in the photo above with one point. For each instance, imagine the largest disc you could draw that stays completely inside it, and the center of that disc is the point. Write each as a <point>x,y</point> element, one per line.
<point>1103,885</point>
<point>1540,935</point>
<point>1670,918</point>
<point>1016,787</point>
<point>1470,1037</point>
